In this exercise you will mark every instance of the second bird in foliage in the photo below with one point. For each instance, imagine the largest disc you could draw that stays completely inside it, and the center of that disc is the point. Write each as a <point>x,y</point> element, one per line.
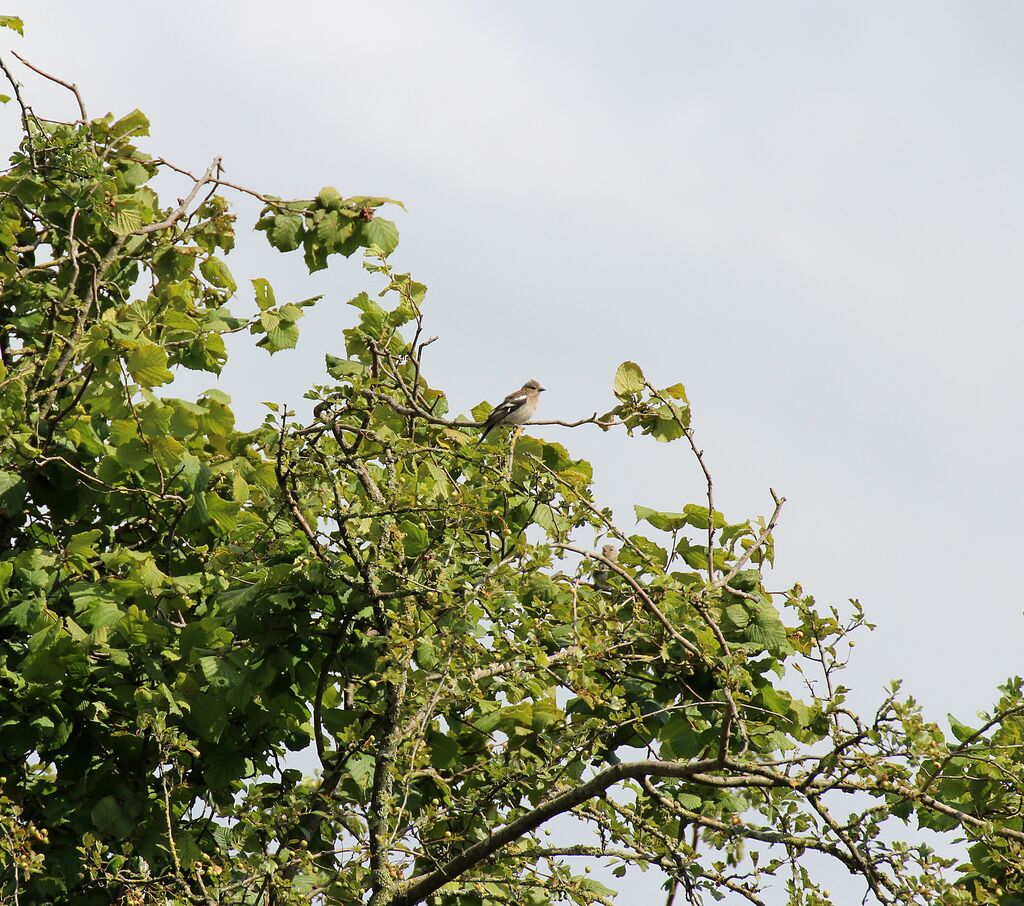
<point>516,409</point>
<point>610,553</point>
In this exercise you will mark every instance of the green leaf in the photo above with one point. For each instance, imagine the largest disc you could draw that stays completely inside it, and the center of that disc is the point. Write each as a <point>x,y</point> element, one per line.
<point>171,264</point>
<point>188,849</point>
<point>12,493</point>
<point>109,818</point>
<point>223,513</point>
<point>746,580</point>
<point>135,123</point>
<point>443,750</point>
<point>335,232</point>
<point>344,369</point>
<point>329,197</point>
<point>679,739</point>
<point>264,293</point>
<point>667,423</point>
<point>224,835</point>
<point>126,221</point>
<point>280,333</point>
<point>426,656</point>
<point>100,614</point>
<point>766,629</point>
<point>14,23</point>
<point>595,888</point>
<point>147,363</point>
<point>961,731</point>
<point>381,233</point>
<point>629,380</point>
<point>737,616</point>
<point>666,522</point>
<point>134,174</point>
<point>415,539</point>
<point>697,516</point>
<point>216,271</point>
<point>284,231</point>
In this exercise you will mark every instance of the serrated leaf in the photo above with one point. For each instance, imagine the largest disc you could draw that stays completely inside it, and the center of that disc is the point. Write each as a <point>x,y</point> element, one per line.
<point>216,271</point>
<point>381,233</point>
<point>126,221</point>
<point>415,539</point>
<point>223,513</point>
<point>766,629</point>
<point>281,335</point>
<point>960,730</point>
<point>109,818</point>
<point>134,123</point>
<point>737,615</point>
<point>264,293</point>
<point>329,197</point>
<point>629,380</point>
<point>171,264</point>
<point>147,363</point>
<point>12,492</point>
<point>284,231</point>
<point>666,522</point>
<point>342,369</point>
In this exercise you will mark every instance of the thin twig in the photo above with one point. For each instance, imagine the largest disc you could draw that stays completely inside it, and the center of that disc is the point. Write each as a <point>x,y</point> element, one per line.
<point>179,211</point>
<point>71,86</point>
<point>699,454</point>
<point>687,645</point>
<point>24,111</point>
<point>729,576</point>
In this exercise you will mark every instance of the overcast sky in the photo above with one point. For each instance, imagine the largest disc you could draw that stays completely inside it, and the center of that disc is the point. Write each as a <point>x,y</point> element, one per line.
<point>810,213</point>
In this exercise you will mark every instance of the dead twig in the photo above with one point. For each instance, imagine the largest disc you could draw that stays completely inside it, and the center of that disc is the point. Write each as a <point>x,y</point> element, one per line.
<point>71,86</point>
<point>179,212</point>
<point>729,576</point>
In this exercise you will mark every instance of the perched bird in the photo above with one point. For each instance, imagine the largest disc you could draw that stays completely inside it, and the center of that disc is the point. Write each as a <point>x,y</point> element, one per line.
<point>611,553</point>
<point>516,409</point>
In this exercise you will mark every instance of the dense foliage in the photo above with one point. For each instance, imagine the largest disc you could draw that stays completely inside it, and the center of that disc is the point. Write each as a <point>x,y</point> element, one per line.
<point>185,605</point>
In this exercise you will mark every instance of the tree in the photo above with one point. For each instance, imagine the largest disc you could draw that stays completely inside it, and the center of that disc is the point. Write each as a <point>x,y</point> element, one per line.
<point>185,605</point>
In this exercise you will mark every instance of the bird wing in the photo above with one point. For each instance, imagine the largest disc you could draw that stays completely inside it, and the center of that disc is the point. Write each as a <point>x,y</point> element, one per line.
<point>504,409</point>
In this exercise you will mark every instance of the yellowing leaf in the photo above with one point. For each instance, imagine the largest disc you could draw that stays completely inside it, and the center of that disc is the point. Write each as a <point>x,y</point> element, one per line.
<point>148,365</point>
<point>629,380</point>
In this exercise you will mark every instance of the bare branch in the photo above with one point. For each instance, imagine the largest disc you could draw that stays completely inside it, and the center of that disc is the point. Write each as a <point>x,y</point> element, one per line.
<point>24,110</point>
<point>457,423</point>
<point>271,200</point>
<point>729,576</point>
<point>422,886</point>
<point>71,86</point>
<point>179,211</point>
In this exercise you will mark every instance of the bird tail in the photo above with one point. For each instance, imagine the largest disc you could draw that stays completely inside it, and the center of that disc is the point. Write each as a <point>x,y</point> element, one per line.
<point>493,420</point>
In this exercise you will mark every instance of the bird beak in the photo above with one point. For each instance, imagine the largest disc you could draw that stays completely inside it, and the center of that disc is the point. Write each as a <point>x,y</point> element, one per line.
<point>541,389</point>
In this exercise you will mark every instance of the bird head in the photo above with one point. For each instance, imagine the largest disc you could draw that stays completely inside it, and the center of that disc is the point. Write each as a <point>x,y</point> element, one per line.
<point>533,387</point>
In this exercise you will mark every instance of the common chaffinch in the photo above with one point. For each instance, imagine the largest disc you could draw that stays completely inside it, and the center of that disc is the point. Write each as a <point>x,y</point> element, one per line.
<point>516,409</point>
